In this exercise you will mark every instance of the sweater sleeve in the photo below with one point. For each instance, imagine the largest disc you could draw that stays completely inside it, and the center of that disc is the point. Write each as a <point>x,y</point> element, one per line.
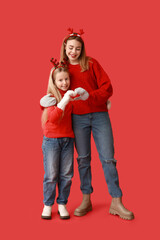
<point>55,114</point>
<point>105,90</point>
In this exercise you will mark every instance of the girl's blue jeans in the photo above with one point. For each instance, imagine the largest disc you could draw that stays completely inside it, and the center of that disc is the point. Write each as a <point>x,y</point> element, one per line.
<point>58,167</point>
<point>99,124</point>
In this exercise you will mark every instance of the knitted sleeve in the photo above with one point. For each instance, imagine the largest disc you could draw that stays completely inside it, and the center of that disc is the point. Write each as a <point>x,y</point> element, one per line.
<point>105,90</point>
<point>55,114</point>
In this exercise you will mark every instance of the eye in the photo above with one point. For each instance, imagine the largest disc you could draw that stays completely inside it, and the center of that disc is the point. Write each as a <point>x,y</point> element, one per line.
<point>66,79</point>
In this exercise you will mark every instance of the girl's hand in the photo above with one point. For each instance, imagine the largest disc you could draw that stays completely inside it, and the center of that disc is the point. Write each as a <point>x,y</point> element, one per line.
<point>68,96</point>
<point>83,94</point>
<point>47,100</point>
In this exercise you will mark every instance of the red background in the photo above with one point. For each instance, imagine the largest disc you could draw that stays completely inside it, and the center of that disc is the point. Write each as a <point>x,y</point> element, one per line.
<point>124,37</point>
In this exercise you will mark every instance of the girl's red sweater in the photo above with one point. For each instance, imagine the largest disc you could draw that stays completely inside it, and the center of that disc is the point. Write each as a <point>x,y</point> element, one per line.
<point>96,82</point>
<point>59,122</point>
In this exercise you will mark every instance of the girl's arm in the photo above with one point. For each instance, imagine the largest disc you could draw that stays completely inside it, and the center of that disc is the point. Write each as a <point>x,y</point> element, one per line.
<point>55,114</point>
<point>48,100</point>
<point>68,96</point>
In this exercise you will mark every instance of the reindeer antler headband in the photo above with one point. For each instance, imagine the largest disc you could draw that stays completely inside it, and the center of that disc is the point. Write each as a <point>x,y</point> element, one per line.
<point>71,33</point>
<point>56,64</point>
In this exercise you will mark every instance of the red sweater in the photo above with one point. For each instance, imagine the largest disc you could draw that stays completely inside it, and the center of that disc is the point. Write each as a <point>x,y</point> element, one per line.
<point>96,82</point>
<point>59,123</point>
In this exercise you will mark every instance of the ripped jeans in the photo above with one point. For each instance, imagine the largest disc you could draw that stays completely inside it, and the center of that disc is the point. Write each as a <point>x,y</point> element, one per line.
<point>99,124</point>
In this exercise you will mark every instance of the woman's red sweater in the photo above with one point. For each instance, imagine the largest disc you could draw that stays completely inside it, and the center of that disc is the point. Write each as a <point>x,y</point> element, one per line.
<point>96,82</point>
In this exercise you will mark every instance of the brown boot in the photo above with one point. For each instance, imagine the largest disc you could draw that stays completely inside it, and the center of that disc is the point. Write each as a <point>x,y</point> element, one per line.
<point>85,206</point>
<point>117,208</point>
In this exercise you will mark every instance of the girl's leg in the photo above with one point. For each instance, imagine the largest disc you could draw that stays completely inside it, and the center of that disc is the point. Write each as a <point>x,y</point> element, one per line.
<point>82,131</point>
<point>65,175</point>
<point>51,155</point>
<point>103,137</point>
<point>65,169</point>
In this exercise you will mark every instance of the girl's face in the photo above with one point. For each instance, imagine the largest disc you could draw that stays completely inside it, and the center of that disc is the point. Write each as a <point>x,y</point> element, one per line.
<point>73,50</point>
<point>62,80</point>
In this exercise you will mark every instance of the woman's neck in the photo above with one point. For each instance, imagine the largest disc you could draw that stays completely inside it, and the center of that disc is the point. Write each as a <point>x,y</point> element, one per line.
<point>74,63</point>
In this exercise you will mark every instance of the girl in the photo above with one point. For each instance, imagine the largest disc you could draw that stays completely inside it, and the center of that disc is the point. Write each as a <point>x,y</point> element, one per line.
<point>92,115</point>
<point>58,142</point>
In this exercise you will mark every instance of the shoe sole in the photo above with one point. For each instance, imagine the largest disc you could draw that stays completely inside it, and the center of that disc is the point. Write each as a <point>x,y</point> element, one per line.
<point>114,212</point>
<point>63,217</point>
<point>46,217</point>
<point>80,214</point>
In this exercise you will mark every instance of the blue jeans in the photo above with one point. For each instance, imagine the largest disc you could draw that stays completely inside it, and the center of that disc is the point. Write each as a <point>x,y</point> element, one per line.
<point>99,124</point>
<point>58,167</point>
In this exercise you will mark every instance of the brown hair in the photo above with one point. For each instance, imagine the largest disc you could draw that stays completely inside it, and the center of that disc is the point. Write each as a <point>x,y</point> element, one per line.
<point>52,88</point>
<point>83,59</point>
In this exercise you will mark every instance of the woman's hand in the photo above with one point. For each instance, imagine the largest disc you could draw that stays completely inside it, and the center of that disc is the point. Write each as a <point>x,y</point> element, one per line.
<point>47,100</point>
<point>108,104</point>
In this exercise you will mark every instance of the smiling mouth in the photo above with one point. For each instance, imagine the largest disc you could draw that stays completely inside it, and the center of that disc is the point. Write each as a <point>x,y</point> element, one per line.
<point>73,56</point>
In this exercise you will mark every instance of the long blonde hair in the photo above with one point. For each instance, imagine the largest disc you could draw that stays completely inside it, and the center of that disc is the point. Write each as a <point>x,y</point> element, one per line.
<point>52,88</point>
<point>83,59</point>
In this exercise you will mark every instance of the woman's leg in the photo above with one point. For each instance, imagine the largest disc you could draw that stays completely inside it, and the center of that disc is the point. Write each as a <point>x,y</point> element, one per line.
<point>82,131</point>
<point>103,137</point>
<point>102,133</point>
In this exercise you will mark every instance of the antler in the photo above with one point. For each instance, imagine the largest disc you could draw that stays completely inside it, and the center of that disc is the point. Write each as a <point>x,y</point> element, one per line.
<point>64,62</point>
<point>55,63</point>
<point>81,32</point>
<point>70,30</point>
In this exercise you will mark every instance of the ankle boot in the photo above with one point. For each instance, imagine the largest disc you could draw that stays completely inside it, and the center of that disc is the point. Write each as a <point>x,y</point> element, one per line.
<point>47,211</point>
<point>85,206</point>
<point>117,208</point>
<point>62,211</point>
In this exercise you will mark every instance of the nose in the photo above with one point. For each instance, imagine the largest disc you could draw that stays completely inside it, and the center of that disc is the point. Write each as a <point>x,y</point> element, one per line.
<point>65,82</point>
<point>73,50</point>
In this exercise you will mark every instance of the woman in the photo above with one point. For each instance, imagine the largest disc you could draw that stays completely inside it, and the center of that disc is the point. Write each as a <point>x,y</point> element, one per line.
<point>92,116</point>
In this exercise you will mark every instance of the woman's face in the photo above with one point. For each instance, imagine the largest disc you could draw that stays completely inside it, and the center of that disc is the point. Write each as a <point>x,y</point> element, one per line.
<point>62,80</point>
<point>73,50</point>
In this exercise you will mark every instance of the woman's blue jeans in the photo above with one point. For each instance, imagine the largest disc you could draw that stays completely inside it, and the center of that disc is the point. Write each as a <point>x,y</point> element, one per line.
<point>99,124</point>
<point>58,167</point>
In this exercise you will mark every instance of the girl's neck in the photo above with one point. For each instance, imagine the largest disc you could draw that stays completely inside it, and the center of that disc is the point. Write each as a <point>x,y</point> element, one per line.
<point>62,92</point>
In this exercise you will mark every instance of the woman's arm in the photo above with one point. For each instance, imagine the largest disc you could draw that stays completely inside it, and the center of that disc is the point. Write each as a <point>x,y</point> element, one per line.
<point>105,90</point>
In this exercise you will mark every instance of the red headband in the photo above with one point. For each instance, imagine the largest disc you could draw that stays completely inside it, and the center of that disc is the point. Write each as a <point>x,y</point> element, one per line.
<point>73,34</point>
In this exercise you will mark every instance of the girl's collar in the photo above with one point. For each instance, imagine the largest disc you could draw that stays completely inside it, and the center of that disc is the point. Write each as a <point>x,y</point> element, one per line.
<point>62,92</point>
